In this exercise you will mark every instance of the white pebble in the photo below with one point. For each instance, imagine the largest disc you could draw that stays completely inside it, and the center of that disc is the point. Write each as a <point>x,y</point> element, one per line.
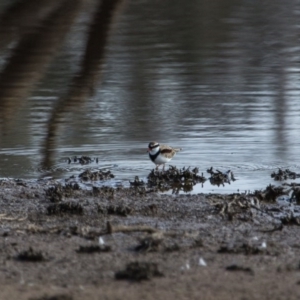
<point>101,241</point>
<point>263,245</point>
<point>202,262</point>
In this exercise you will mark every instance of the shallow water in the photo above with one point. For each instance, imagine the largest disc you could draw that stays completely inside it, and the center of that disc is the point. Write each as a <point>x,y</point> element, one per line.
<point>220,81</point>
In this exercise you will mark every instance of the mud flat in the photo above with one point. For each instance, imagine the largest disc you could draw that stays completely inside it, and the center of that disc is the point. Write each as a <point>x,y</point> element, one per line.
<point>61,241</point>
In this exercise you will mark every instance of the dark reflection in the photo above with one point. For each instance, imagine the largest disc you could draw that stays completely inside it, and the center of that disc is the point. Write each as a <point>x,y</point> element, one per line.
<point>38,29</point>
<point>22,17</point>
<point>88,76</point>
<point>36,46</point>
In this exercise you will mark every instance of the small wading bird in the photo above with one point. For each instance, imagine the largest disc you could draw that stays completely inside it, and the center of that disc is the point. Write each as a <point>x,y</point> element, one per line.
<point>161,154</point>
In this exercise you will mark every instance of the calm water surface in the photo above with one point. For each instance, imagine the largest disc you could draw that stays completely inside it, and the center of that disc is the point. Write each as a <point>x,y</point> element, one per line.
<point>221,80</point>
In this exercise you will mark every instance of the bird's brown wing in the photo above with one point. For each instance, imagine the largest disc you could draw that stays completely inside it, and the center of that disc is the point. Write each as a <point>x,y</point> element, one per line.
<point>167,151</point>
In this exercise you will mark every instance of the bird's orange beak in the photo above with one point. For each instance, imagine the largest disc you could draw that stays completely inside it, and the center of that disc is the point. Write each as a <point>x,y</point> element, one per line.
<point>148,150</point>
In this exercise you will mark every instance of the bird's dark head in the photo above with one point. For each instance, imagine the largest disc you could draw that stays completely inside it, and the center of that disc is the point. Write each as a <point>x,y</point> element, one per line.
<point>153,146</point>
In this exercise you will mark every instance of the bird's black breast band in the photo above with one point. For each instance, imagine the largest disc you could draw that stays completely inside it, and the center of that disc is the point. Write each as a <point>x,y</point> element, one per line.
<point>153,157</point>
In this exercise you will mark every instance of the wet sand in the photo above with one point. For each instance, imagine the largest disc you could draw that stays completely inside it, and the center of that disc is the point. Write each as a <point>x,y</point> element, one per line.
<point>152,246</point>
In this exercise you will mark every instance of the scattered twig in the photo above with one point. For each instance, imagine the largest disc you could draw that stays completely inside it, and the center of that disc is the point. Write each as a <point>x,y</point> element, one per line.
<point>123,228</point>
<point>19,219</point>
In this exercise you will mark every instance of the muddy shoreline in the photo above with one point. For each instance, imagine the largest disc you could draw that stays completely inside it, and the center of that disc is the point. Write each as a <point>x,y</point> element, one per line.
<point>64,242</point>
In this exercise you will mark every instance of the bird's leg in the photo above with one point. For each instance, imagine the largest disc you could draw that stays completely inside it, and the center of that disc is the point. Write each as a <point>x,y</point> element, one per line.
<point>163,167</point>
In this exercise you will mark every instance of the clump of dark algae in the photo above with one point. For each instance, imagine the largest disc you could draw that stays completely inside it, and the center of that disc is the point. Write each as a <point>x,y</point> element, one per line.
<point>284,175</point>
<point>31,255</point>
<point>245,247</point>
<point>88,175</point>
<point>138,271</point>
<point>137,182</point>
<point>67,207</point>
<point>220,178</point>
<point>175,179</point>
<point>235,268</point>
<point>292,189</point>
<point>106,191</point>
<point>83,160</point>
<point>295,193</point>
<point>290,219</point>
<point>93,249</point>
<point>288,189</point>
<point>121,210</point>
<point>58,192</point>
<point>271,193</point>
<point>149,243</point>
<point>235,206</point>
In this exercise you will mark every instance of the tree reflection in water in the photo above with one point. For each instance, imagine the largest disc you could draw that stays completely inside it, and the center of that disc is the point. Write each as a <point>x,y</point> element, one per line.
<point>38,29</point>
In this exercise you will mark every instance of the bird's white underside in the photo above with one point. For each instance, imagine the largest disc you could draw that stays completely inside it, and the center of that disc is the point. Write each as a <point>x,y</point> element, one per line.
<point>160,159</point>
